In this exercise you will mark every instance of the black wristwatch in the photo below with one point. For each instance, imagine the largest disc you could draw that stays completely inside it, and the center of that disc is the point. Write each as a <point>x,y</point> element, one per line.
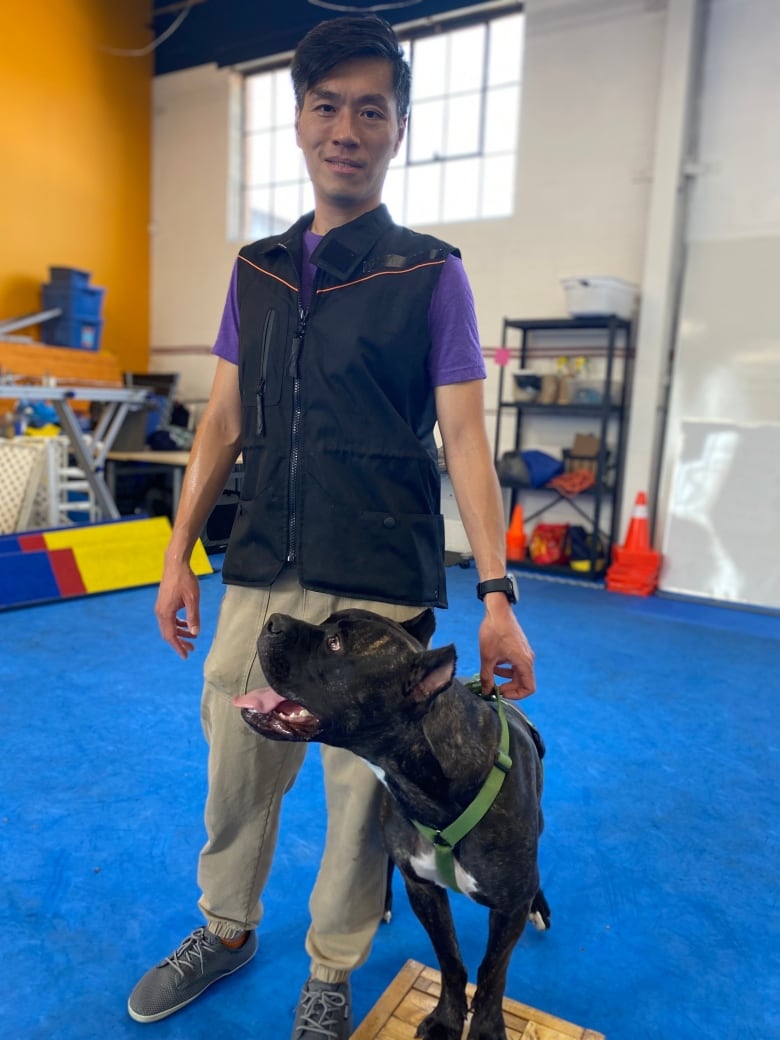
<point>507,585</point>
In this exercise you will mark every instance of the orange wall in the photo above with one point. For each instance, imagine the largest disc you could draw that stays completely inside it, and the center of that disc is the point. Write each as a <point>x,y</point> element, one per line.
<point>75,129</point>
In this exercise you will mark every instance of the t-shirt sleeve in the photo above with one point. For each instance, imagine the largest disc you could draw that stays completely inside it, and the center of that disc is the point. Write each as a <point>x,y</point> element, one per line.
<point>226,343</point>
<point>456,351</point>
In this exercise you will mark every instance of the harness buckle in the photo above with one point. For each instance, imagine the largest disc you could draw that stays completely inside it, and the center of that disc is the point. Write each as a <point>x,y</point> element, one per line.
<point>502,761</point>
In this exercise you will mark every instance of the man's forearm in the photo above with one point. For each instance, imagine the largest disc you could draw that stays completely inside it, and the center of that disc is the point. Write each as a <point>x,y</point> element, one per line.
<point>211,462</point>
<point>481,511</point>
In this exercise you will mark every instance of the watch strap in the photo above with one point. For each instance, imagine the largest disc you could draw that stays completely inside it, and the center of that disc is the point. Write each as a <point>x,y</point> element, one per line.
<point>505,585</point>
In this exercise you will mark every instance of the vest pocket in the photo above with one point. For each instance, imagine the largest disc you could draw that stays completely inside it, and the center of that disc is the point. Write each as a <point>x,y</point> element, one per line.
<point>264,352</point>
<point>391,557</point>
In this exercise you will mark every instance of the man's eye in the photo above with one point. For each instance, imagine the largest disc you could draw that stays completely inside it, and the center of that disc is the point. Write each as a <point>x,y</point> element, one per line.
<point>333,643</point>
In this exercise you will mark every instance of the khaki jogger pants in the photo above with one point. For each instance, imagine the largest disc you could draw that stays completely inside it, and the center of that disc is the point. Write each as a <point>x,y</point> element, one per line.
<point>249,775</point>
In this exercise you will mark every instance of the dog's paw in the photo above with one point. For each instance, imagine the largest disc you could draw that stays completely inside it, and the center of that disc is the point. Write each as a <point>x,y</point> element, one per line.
<point>538,922</point>
<point>540,914</point>
<point>488,1024</point>
<point>434,1027</point>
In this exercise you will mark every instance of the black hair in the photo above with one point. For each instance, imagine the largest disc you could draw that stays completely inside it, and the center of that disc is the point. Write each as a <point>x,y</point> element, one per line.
<point>337,40</point>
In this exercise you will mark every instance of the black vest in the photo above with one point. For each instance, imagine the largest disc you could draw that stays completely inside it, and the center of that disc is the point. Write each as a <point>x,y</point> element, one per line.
<point>341,475</point>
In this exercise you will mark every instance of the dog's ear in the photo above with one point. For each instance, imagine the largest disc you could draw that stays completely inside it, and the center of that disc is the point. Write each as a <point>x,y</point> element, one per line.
<point>421,627</point>
<point>431,673</point>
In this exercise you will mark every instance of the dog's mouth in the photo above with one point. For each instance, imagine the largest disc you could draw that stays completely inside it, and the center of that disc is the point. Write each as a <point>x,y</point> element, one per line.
<point>275,716</point>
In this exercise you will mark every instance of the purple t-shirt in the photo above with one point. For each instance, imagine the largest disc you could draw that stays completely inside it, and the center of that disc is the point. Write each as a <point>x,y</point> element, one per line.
<point>456,353</point>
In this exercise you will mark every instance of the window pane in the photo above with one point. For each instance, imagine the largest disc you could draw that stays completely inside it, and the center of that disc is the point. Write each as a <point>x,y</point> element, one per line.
<point>257,115</point>
<point>498,186</point>
<point>393,195</point>
<point>258,220</point>
<point>257,155</point>
<point>463,125</point>
<point>429,68</point>
<point>285,155</point>
<point>284,99</point>
<point>307,197</point>
<point>501,120</point>
<point>506,50</point>
<point>424,194</point>
<point>426,127</point>
<point>466,59</point>
<point>287,204</point>
<point>460,200</point>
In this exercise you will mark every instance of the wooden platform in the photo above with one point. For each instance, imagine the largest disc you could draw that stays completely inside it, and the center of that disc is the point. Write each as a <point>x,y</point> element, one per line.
<point>413,993</point>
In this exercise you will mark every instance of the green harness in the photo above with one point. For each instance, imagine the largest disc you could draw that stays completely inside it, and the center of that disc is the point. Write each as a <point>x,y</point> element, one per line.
<point>444,841</point>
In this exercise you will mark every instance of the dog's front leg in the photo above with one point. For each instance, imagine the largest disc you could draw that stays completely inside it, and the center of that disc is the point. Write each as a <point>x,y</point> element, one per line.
<point>488,1020</point>
<point>432,907</point>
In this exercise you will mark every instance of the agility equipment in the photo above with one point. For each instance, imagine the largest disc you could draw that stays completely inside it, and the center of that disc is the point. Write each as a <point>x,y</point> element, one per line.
<point>43,566</point>
<point>414,991</point>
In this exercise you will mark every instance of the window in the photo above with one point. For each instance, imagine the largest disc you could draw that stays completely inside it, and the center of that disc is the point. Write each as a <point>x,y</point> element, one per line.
<point>457,161</point>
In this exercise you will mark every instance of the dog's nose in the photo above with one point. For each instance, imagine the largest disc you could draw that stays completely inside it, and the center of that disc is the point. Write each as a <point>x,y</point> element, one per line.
<point>277,624</point>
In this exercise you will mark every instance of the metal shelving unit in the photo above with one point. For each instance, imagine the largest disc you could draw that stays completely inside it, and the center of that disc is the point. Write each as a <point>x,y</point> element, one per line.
<point>608,419</point>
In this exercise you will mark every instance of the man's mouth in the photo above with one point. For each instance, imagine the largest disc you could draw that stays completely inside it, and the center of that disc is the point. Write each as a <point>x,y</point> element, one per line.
<point>342,164</point>
<point>267,712</point>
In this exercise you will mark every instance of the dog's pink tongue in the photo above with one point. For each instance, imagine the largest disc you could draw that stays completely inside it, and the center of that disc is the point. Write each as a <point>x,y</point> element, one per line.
<point>264,700</point>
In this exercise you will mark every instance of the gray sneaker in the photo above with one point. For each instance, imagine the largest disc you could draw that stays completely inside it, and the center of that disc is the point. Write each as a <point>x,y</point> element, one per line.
<point>170,985</point>
<point>324,1010</point>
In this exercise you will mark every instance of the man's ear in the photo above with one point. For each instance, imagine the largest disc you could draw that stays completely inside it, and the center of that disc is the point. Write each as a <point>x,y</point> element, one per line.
<point>296,121</point>
<point>431,673</point>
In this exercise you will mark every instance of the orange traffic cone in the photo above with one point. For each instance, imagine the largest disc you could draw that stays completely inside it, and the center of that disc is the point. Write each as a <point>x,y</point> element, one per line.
<point>635,566</point>
<point>638,534</point>
<point>515,537</point>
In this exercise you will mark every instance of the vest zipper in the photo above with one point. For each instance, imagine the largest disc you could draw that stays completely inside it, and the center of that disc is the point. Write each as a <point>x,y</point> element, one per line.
<point>265,351</point>
<point>295,352</point>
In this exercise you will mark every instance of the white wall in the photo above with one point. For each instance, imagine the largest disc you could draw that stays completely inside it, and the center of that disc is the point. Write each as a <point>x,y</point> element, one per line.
<point>720,528</point>
<point>191,254</point>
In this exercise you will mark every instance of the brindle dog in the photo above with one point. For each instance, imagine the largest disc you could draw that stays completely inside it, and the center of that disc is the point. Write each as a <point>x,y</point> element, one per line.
<point>361,682</point>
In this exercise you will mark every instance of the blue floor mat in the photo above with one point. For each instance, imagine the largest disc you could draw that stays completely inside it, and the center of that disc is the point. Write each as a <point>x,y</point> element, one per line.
<point>659,857</point>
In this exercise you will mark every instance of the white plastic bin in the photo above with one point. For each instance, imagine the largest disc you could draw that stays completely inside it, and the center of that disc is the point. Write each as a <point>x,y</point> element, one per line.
<point>600,295</point>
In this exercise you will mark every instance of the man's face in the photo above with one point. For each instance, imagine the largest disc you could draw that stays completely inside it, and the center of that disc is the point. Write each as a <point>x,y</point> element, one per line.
<point>348,130</point>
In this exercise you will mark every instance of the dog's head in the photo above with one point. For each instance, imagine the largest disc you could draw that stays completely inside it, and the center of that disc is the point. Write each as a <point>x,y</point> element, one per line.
<point>356,673</point>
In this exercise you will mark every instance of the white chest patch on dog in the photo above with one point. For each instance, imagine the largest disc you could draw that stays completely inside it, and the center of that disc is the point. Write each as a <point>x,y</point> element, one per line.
<point>424,866</point>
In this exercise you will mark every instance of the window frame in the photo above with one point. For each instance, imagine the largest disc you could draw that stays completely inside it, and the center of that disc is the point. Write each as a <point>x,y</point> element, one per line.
<point>404,164</point>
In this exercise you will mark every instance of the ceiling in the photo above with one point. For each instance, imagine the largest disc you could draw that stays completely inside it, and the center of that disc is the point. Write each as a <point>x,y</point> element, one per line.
<point>227,32</point>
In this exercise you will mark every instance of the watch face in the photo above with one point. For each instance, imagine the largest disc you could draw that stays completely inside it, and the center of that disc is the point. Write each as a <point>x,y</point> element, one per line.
<point>513,585</point>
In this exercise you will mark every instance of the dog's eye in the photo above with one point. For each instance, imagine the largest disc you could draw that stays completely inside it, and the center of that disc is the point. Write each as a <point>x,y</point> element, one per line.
<point>333,643</point>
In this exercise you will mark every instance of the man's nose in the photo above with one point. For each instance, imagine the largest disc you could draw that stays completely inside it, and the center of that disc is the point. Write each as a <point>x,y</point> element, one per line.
<point>345,129</point>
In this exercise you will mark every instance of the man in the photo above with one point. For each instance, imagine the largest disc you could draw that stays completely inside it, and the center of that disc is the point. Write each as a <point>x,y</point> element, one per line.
<point>342,343</point>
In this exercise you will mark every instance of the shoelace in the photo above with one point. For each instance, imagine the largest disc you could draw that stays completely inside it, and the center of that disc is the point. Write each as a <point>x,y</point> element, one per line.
<point>319,1012</point>
<point>190,952</point>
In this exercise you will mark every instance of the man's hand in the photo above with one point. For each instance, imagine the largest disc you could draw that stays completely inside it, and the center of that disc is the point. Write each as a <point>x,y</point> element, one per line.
<point>179,590</point>
<point>505,651</point>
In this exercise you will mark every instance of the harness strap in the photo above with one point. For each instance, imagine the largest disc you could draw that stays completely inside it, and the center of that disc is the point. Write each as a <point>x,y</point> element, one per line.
<point>444,841</point>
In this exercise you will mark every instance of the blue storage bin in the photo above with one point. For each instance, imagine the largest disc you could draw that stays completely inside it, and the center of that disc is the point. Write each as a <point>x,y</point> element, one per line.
<point>84,302</point>
<point>72,332</point>
<point>69,276</point>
